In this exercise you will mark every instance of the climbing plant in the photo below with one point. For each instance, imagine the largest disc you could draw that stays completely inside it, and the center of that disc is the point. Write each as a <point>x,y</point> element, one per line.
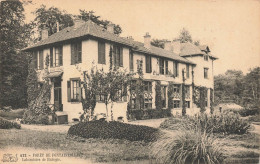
<point>170,95</point>
<point>199,97</point>
<point>183,94</point>
<point>158,95</point>
<point>211,101</point>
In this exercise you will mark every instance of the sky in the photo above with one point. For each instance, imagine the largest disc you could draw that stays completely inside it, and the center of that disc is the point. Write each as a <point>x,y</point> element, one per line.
<point>230,28</point>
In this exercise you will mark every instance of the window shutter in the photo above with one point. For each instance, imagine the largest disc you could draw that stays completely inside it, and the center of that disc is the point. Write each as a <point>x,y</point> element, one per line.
<point>68,91</point>
<point>101,53</point>
<point>41,59</point>
<point>79,52</point>
<point>51,57</point>
<point>61,56</point>
<point>34,60</point>
<point>114,55</point>
<point>72,54</point>
<point>131,59</point>
<point>121,57</point>
<point>79,90</point>
<point>177,69</point>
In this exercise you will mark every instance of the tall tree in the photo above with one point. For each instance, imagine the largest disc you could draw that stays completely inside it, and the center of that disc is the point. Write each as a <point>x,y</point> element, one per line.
<point>50,16</point>
<point>185,36</point>
<point>13,64</point>
<point>86,15</point>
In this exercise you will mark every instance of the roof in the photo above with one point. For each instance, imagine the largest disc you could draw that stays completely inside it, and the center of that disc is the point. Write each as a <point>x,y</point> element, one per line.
<point>190,49</point>
<point>91,29</point>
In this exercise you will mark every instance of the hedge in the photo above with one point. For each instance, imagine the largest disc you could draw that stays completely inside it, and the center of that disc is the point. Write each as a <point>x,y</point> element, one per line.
<point>6,124</point>
<point>148,114</point>
<point>114,130</point>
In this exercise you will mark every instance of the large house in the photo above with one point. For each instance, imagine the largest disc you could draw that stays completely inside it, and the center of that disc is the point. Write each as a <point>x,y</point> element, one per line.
<point>75,49</point>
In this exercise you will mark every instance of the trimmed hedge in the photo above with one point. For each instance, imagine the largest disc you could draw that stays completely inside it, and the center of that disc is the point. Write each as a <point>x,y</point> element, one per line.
<point>148,114</point>
<point>6,124</point>
<point>114,130</point>
<point>30,117</point>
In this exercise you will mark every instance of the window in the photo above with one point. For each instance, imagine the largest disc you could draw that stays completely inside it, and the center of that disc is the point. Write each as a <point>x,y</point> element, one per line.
<point>101,53</point>
<point>148,94</point>
<point>163,90</point>
<point>175,69</point>
<point>74,90</point>
<point>176,91</point>
<point>176,104</point>
<point>166,67</point>
<point>148,62</point>
<point>131,60</point>
<point>118,56</point>
<point>187,71</point>
<point>34,60</point>
<point>40,65</point>
<point>206,57</point>
<point>76,53</point>
<point>187,104</point>
<point>161,66</point>
<point>57,61</point>
<point>187,91</point>
<point>206,76</point>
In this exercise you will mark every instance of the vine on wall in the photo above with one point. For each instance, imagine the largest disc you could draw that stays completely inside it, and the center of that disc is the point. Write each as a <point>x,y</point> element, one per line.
<point>211,101</point>
<point>199,97</point>
<point>158,95</point>
<point>170,95</point>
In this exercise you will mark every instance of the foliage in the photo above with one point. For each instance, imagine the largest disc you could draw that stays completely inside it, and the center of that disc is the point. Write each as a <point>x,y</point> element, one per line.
<point>30,117</point>
<point>115,130</point>
<point>11,115</point>
<point>49,17</point>
<point>13,66</point>
<point>158,95</point>
<point>86,15</point>
<point>170,95</point>
<point>158,42</point>
<point>190,146</point>
<point>248,112</point>
<point>199,97</point>
<point>149,114</point>
<point>185,36</point>
<point>241,89</point>
<point>183,94</point>
<point>228,123</point>
<point>6,124</point>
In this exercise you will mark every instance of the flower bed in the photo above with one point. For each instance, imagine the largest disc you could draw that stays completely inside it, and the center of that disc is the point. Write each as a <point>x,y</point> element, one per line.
<point>115,130</point>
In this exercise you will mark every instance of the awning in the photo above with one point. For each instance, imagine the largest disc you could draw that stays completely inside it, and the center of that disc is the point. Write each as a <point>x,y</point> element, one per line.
<point>54,74</point>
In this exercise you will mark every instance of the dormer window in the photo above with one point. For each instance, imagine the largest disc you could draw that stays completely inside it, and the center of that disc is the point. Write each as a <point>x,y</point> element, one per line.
<point>206,57</point>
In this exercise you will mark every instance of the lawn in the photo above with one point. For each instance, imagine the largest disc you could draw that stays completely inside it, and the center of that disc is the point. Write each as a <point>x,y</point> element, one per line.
<point>100,150</point>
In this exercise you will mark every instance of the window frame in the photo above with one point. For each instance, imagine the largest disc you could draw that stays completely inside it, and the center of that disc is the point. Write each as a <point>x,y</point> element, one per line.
<point>176,68</point>
<point>76,48</point>
<point>101,54</point>
<point>148,64</point>
<point>58,56</point>
<point>161,66</point>
<point>206,73</point>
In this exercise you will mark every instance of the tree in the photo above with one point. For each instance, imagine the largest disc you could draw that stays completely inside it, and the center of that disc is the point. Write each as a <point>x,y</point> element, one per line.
<point>185,36</point>
<point>86,15</point>
<point>13,63</point>
<point>158,42</point>
<point>49,18</point>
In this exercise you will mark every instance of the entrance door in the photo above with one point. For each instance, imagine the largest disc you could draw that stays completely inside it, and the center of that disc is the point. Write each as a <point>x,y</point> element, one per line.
<point>57,94</point>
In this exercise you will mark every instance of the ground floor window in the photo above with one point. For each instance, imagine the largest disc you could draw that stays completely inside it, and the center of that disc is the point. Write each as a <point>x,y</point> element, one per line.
<point>74,90</point>
<point>176,104</point>
<point>187,103</point>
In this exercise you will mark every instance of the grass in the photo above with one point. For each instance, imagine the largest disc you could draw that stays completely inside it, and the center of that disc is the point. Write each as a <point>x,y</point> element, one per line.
<point>13,114</point>
<point>101,150</point>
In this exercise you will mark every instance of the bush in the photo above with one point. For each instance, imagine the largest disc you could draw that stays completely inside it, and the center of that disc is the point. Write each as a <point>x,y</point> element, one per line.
<point>148,114</point>
<point>13,114</point>
<point>115,130</point>
<point>248,112</point>
<point>191,146</point>
<point>30,117</point>
<point>6,124</point>
<point>228,123</point>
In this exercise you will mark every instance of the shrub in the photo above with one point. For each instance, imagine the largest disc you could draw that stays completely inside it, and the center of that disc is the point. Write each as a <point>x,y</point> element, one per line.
<point>190,146</point>
<point>228,123</point>
<point>6,124</point>
<point>30,117</point>
<point>249,112</point>
<point>149,114</point>
<point>115,130</point>
<point>11,115</point>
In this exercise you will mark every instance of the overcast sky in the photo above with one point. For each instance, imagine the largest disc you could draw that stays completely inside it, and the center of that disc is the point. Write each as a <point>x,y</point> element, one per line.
<point>230,28</point>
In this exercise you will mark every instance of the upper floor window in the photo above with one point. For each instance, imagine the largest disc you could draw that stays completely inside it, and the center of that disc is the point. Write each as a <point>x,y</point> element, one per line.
<point>76,53</point>
<point>131,60</point>
<point>101,53</point>
<point>187,71</point>
<point>166,67</point>
<point>206,70</point>
<point>56,59</point>
<point>148,63</point>
<point>40,65</point>
<point>118,56</point>
<point>147,86</point>
<point>175,68</point>
<point>161,66</point>
<point>206,57</point>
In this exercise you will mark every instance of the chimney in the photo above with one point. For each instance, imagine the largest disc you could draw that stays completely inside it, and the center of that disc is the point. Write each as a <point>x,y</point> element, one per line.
<point>44,32</point>
<point>110,28</point>
<point>78,22</point>
<point>147,40</point>
<point>168,46</point>
<point>58,26</point>
<point>176,44</point>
